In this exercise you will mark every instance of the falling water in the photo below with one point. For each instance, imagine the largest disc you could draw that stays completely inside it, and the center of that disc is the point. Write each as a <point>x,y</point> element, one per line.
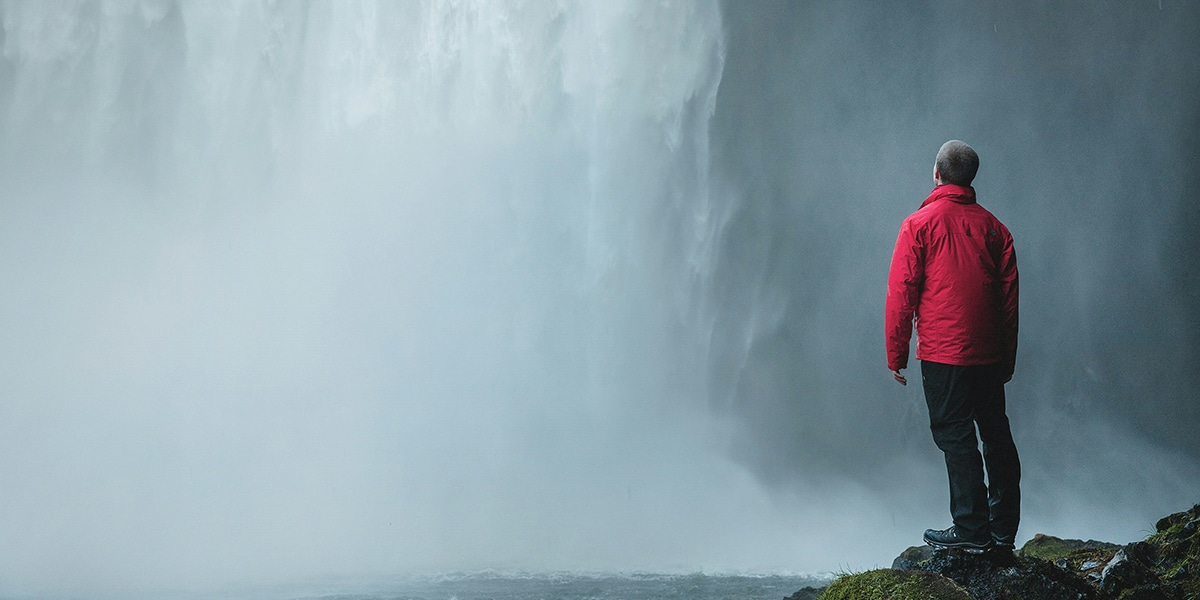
<point>341,287</point>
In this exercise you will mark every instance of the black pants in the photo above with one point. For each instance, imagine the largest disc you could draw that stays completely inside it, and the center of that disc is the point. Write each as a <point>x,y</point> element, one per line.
<point>959,399</point>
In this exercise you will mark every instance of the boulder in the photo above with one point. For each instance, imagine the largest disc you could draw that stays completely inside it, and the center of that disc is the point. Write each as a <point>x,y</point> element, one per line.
<point>1126,570</point>
<point>999,575</point>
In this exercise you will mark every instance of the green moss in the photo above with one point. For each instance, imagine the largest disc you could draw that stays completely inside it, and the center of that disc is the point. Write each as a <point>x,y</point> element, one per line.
<point>1050,548</point>
<point>1177,548</point>
<point>892,584</point>
<point>1046,547</point>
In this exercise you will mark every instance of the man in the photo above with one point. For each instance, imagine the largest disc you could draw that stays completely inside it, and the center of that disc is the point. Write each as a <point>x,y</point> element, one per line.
<point>955,272</point>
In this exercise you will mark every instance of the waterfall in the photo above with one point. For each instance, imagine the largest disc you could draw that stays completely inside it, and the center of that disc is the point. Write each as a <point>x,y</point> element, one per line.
<point>356,286</point>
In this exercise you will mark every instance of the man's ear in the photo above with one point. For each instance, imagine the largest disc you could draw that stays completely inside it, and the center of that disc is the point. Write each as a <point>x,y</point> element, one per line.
<point>937,177</point>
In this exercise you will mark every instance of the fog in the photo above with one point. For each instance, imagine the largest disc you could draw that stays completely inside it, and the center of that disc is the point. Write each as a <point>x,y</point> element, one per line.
<point>295,291</point>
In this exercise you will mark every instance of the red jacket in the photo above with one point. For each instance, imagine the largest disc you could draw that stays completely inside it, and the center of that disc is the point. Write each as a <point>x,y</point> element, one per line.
<point>954,270</point>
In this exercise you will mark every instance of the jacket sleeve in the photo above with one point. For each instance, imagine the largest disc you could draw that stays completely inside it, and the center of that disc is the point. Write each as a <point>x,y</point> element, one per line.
<point>905,278</point>
<point>1009,303</point>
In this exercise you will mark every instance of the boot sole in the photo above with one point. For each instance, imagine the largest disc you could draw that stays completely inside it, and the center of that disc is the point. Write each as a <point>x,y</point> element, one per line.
<point>969,550</point>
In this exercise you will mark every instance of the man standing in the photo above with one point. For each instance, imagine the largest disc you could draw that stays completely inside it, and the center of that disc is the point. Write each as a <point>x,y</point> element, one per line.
<point>954,272</point>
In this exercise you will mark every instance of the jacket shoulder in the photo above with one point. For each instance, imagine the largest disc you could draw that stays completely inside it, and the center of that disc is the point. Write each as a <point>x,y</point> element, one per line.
<point>922,217</point>
<point>996,223</point>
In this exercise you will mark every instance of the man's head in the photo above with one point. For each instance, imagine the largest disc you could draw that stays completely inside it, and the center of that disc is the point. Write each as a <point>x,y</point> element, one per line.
<point>956,163</point>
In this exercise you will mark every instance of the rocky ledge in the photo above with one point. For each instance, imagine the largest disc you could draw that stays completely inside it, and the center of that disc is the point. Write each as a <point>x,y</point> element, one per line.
<point>1164,566</point>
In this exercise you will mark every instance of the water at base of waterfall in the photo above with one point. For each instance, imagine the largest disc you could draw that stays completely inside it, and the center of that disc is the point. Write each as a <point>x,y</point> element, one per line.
<point>492,585</point>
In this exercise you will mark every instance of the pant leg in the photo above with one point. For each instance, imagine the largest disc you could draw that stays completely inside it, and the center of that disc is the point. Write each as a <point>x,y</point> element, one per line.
<point>948,391</point>
<point>999,454</point>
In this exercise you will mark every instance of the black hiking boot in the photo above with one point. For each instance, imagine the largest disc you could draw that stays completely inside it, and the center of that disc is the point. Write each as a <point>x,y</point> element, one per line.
<point>949,538</point>
<point>1003,543</point>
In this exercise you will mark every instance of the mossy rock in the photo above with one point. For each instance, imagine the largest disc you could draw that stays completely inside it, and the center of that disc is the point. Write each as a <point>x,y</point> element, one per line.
<point>1174,552</point>
<point>1048,547</point>
<point>999,575</point>
<point>1086,559</point>
<point>1164,566</point>
<point>893,584</point>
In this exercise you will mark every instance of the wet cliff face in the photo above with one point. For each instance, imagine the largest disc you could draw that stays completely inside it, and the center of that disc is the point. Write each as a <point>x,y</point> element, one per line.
<point>827,122</point>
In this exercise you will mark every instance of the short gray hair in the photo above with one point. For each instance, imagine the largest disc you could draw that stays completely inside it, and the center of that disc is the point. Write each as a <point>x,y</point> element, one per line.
<point>957,163</point>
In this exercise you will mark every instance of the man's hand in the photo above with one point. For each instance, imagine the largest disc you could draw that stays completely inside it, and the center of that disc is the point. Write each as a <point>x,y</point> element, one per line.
<point>899,377</point>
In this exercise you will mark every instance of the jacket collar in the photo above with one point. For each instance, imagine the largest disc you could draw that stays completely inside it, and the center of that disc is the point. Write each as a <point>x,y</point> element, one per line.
<point>962,194</point>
